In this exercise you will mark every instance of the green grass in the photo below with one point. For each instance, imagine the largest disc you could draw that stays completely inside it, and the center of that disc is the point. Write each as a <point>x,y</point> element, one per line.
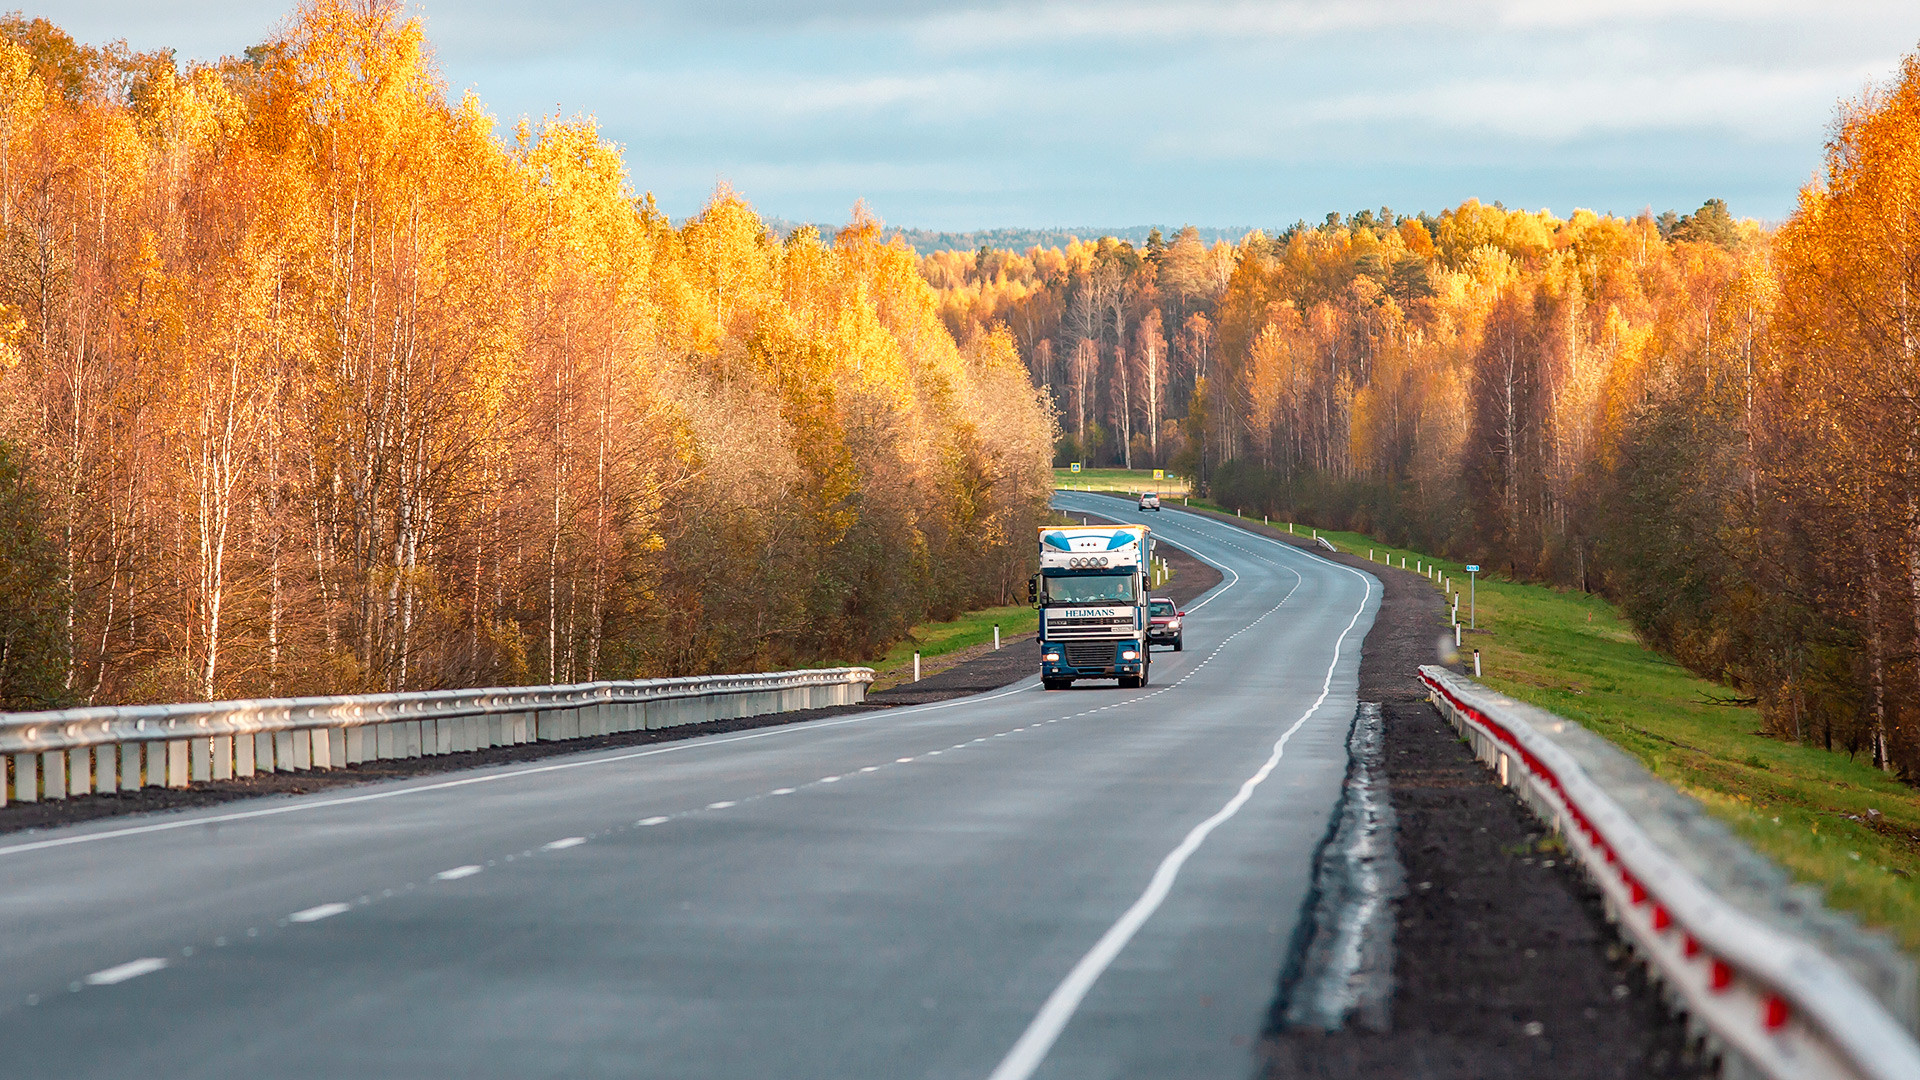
<point>1121,481</point>
<point>973,628</point>
<point>1806,808</point>
<point>938,639</point>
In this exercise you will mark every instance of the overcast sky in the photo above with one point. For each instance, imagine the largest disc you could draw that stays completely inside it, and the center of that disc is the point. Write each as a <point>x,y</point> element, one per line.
<point>956,115</point>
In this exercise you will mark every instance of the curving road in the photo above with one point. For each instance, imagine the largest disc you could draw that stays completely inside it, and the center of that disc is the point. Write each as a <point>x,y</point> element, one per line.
<point>1089,883</point>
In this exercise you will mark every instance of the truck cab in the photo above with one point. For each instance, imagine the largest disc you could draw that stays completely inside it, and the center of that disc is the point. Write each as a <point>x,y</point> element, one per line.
<point>1092,595</point>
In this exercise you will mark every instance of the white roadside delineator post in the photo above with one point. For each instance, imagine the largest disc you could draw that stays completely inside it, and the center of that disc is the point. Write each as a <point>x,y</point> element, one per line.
<point>916,667</point>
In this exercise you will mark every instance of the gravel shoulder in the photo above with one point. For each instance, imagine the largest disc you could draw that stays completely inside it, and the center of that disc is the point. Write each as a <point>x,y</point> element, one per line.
<point>1505,965</point>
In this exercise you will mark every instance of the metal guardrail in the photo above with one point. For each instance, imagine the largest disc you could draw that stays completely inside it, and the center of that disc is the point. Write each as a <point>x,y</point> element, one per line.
<point>1782,1005</point>
<point>69,752</point>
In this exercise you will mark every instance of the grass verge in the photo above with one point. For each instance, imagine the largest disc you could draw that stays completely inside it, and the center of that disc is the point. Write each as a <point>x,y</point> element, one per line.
<point>933,640</point>
<point>1118,481</point>
<point>1832,821</point>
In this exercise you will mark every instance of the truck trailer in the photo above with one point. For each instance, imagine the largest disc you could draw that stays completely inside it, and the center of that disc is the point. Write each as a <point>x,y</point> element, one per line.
<point>1092,594</point>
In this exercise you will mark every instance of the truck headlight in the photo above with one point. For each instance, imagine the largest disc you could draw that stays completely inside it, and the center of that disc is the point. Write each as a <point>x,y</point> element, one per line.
<point>1130,654</point>
<point>1054,656</point>
<point>1174,625</point>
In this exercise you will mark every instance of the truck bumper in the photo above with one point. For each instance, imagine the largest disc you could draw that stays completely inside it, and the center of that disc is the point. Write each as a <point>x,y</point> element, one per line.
<point>1053,662</point>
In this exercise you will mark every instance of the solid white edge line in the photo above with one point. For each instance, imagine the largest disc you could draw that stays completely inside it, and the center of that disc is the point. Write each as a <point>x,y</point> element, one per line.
<point>120,973</point>
<point>320,911</point>
<point>349,800</point>
<point>1044,1030</point>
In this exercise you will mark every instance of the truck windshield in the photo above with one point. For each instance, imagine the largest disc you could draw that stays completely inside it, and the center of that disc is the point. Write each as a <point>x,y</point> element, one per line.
<point>1091,589</point>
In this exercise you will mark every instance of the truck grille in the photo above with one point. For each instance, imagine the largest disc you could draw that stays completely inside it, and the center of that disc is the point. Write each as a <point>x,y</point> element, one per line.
<point>1093,654</point>
<point>1102,629</point>
<point>1103,633</point>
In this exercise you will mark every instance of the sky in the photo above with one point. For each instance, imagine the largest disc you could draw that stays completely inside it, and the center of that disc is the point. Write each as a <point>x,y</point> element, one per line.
<point>958,115</point>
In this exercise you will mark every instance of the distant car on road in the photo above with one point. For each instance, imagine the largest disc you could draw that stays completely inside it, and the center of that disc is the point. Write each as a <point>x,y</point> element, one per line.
<point>1149,501</point>
<point>1164,624</point>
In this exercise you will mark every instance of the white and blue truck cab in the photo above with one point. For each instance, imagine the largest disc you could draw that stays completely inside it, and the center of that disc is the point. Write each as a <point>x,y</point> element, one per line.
<point>1092,594</point>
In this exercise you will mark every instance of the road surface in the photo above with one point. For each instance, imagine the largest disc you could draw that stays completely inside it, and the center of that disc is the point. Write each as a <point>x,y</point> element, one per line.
<point>1088,883</point>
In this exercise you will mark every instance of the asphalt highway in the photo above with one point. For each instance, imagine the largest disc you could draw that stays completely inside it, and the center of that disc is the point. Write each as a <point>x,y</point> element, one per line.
<point>1088,883</point>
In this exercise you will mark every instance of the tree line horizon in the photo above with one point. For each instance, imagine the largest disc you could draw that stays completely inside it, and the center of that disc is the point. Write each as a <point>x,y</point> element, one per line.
<point>1713,422</point>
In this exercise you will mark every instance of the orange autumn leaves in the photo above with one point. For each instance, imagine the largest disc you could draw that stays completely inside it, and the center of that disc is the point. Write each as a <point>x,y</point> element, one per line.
<point>323,385</point>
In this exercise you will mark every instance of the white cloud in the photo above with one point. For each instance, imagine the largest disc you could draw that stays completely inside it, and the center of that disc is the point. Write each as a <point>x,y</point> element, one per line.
<point>966,113</point>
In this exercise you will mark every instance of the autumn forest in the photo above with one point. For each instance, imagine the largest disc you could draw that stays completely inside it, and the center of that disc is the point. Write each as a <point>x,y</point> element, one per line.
<point>315,380</point>
<point>1714,423</point>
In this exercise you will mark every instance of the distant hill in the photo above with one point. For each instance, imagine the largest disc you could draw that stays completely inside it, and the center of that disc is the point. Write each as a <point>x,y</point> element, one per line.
<point>926,241</point>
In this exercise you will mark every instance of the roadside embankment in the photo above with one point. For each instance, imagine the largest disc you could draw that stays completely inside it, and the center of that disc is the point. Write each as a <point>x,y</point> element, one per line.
<point>1504,963</point>
<point>1824,814</point>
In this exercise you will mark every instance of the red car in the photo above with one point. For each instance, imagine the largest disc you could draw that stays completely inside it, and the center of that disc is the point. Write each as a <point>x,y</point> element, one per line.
<point>1163,624</point>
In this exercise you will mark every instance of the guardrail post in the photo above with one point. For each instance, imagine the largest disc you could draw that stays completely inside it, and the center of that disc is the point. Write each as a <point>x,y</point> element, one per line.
<point>200,757</point>
<point>176,772</point>
<point>129,766</point>
<point>26,778</point>
<point>79,771</point>
<point>105,776</point>
<point>53,773</point>
<point>223,757</point>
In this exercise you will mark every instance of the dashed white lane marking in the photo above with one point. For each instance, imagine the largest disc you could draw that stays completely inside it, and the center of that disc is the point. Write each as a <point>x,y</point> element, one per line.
<point>781,791</point>
<point>136,968</point>
<point>903,761</point>
<point>1037,1040</point>
<point>318,912</point>
<point>829,779</point>
<point>120,973</point>
<point>723,804</point>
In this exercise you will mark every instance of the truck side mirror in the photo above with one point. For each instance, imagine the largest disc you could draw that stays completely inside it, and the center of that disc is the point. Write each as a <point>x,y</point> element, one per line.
<point>1033,590</point>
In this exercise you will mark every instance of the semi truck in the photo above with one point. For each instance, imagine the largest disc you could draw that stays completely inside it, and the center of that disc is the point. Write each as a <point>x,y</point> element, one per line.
<point>1092,595</point>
